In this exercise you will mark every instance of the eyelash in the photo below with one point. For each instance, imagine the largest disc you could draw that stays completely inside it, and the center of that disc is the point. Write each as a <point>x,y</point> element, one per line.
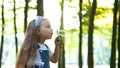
<point>48,27</point>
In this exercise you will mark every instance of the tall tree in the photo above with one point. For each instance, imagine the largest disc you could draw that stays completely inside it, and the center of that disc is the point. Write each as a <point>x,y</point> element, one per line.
<point>80,34</point>
<point>90,35</point>
<point>40,11</point>
<point>61,63</point>
<point>15,27</point>
<point>26,14</point>
<point>2,32</point>
<point>119,38</point>
<point>113,49</point>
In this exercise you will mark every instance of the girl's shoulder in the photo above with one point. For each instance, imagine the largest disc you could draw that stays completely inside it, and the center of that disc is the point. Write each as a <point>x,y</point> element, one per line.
<point>42,47</point>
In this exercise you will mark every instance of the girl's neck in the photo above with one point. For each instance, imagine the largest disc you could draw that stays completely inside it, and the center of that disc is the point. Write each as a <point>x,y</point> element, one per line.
<point>42,41</point>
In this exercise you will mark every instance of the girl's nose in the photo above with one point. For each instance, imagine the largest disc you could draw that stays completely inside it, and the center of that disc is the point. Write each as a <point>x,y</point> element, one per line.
<point>51,29</point>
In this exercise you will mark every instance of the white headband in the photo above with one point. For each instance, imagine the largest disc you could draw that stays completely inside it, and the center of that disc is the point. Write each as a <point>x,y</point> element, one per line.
<point>37,21</point>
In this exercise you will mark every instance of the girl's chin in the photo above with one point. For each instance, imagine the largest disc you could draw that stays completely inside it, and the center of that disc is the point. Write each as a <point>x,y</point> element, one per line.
<point>50,37</point>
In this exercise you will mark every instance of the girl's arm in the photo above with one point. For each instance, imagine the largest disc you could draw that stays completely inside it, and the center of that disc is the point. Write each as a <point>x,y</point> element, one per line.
<point>55,56</point>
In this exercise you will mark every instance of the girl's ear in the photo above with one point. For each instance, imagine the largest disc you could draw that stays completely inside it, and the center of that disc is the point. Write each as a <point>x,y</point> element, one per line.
<point>38,32</point>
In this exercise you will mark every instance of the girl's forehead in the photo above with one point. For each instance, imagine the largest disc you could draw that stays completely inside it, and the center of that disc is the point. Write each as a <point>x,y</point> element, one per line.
<point>46,22</point>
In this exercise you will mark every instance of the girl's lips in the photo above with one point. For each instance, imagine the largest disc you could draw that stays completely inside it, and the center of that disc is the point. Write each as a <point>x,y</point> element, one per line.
<point>51,33</point>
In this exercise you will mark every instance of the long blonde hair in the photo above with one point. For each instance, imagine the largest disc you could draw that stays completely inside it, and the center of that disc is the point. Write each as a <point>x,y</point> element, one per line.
<point>28,50</point>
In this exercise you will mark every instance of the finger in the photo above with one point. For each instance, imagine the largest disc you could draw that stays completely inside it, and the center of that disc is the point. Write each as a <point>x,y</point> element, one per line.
<point>58,38</point>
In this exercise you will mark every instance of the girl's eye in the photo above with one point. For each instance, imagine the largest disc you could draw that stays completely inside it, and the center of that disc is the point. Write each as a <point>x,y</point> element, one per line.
<point>48,27</point>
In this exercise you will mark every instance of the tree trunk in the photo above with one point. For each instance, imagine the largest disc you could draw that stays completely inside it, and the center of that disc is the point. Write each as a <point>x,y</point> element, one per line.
<point>119,36</point>
<point>90,36</point>
<point>113,49</point>
<point>80,34</point>
<point>61,62</point>
<point>15,27</point>
<point>119,41</point>
<point>2,32</point>
<point>26,14</point>
<point>40,11</point>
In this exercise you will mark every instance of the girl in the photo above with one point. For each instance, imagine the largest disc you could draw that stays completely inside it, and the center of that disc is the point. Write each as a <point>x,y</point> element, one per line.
<point>34,53</point>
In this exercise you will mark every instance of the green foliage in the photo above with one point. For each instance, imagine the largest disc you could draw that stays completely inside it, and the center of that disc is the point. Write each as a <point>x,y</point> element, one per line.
<point>60,3</point>
<point>70,0</point>
<point>71,39</point>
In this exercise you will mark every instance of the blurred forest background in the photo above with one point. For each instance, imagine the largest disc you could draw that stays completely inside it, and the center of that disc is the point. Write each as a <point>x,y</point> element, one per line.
<point>90,37</point>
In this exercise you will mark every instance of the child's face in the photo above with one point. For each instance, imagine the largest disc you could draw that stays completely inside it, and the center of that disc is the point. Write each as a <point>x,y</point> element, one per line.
<point>45,31</point>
